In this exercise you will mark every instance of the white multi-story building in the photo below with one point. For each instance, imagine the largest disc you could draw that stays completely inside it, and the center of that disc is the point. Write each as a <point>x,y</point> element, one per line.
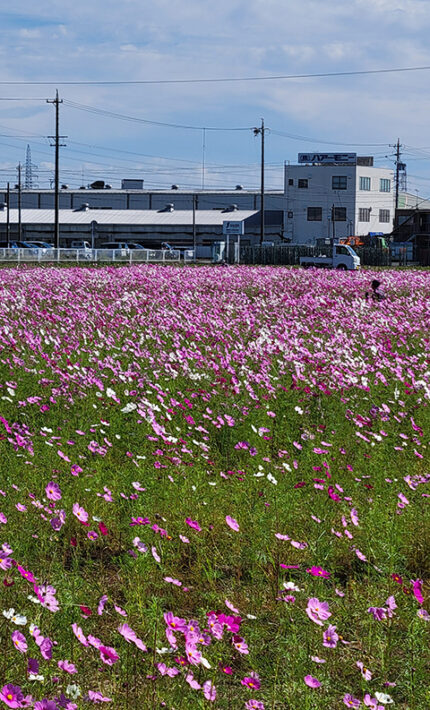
<point>337,194</point>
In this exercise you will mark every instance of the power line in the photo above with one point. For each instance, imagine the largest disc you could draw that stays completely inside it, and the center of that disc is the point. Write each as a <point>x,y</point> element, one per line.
<point>125,117</point>
<point>218,80</point>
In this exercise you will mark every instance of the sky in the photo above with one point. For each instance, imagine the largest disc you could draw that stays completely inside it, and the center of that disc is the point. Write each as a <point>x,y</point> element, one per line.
<point>195,39</point>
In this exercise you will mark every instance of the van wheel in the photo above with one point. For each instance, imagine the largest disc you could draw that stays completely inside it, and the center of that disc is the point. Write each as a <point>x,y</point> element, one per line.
<point>341,267</point>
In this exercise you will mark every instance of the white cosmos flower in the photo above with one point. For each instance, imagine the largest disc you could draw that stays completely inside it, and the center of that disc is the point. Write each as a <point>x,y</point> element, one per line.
<point>18,619</point>
<point>32,676</point>
<point>384,698</point>
<point>272,479</point>
<point>74,691</point>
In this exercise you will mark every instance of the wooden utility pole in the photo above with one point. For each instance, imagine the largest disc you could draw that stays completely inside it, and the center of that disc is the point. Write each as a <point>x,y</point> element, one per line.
<point>57,101</point>
<point>19,204</point>
<point>261,131</point>
<point>8,217</point>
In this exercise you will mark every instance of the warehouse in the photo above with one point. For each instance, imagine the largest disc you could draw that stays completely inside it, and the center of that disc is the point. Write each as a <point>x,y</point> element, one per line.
<point>147,227</point>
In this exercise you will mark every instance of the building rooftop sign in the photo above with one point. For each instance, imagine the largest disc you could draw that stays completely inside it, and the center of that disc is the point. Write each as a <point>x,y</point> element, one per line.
<point>326,158</point>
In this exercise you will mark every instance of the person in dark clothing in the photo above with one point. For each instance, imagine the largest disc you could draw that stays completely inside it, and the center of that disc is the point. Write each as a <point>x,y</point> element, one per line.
<point>377,294</point>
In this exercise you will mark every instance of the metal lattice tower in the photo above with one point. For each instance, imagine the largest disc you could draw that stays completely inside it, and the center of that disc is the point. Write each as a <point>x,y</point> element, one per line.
<point>29,183</point>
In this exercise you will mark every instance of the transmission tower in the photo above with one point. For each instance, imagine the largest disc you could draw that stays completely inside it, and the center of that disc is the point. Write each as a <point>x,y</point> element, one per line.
<point>29,183</point>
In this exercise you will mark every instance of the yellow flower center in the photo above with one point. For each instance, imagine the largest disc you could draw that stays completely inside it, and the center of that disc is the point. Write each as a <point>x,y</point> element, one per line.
<point>9,697</point>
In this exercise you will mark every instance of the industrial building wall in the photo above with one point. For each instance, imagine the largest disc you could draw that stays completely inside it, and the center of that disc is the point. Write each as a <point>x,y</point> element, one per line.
<point>143,200</point>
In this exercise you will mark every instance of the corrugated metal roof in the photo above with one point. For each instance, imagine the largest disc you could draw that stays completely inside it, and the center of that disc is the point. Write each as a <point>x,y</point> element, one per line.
<point>128,217</point>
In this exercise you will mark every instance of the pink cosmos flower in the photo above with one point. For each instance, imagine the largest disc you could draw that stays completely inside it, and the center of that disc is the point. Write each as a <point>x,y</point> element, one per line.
<point>230,606</point>
<point>45,648</point>
<point>318,572</point>
<point>417,590</point>
<point>5,562</point>
<point>317,611</point>
<point>367,675</point>
<point>209,691</point>
<point>372,703</point>
<point>97,697</point>
<point>19,641</point>
<point>80,513</point>
<point>354,517</point>
<point>350,701</point>
<point>131,636</point>
<point>232,523</point>
<point>359,554</point>
<point>108,655</point>
<point>423,614</point>
<point>68,667</point>
<point>193,524</point>
<point>155,554</point>
<point>45,704</point>
<point>175,622</point>
<point>252,681</point>
<point>53,491</point>
<point>29,576</point>
<point>79,634</point>
<point>254,705</point>
<point>12,696</point>
<point>312,682</point>
<point>240,645</point>
<point>191,682</point>
<point>330,637</point>
<point>101,604</point>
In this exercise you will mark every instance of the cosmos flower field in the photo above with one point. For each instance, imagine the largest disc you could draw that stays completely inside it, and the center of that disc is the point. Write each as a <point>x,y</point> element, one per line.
<point>214,489</point>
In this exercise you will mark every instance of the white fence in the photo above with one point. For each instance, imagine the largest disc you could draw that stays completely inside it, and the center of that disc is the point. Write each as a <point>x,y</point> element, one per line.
<point>85,256</point>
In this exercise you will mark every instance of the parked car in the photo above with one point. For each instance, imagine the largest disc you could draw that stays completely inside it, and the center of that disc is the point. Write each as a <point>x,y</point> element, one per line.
<point>121,245</point>
<point>40,245</point>
<point>80,244</point>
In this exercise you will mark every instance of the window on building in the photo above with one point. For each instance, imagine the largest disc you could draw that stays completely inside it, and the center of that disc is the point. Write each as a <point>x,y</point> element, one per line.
<point>384,216</point>
<point>314,214</point>
<point>290,181</point>
<point>339,182</point>
<point>339,214</point>
<point>364,214</point>
<point>303,183</point>
<point>384,185</point>
<point>365,183</point>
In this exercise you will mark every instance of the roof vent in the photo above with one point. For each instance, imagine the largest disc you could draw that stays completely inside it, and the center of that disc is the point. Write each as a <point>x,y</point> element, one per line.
<point>64,187</point>
<point>231,208</point>
<point>84,207</point>
<point>2,206</point>
<point>239,187</point>
<point>168,208</point>
<point>175,187</point>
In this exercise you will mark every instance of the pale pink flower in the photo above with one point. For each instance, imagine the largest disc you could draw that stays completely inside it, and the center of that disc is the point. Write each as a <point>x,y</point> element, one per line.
<point>232,523</point>
<point>318,611</point>
<point>209,690</point>
<point>80,513</point>
<point>311,681</point>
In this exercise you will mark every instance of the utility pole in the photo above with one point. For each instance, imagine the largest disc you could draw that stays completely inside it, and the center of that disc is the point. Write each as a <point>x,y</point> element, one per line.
<point>194,227</point>
<point>57,101</point>
<point>8,217</point>
<point>333,223</point>
<point>261,131</point>
<point>19,204</point>
<point>397,172</point>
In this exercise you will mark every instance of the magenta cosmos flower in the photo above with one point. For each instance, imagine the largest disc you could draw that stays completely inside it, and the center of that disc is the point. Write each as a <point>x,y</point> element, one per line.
<point>350,701</point>
<point>68,667</point>
<point>317,611</point>
<point>53,491</point>
<point>193,524</point>
<point>254,705</point>
<point>108,655</point>
<point>311,681</point>
<point>318,572</point>
<point>19,641</point>
<point>232,523</point>
<point>252,681</point>
<point>12,696</point>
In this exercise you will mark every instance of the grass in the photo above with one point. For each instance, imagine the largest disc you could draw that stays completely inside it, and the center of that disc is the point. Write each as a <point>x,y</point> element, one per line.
<point>222,427</point>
